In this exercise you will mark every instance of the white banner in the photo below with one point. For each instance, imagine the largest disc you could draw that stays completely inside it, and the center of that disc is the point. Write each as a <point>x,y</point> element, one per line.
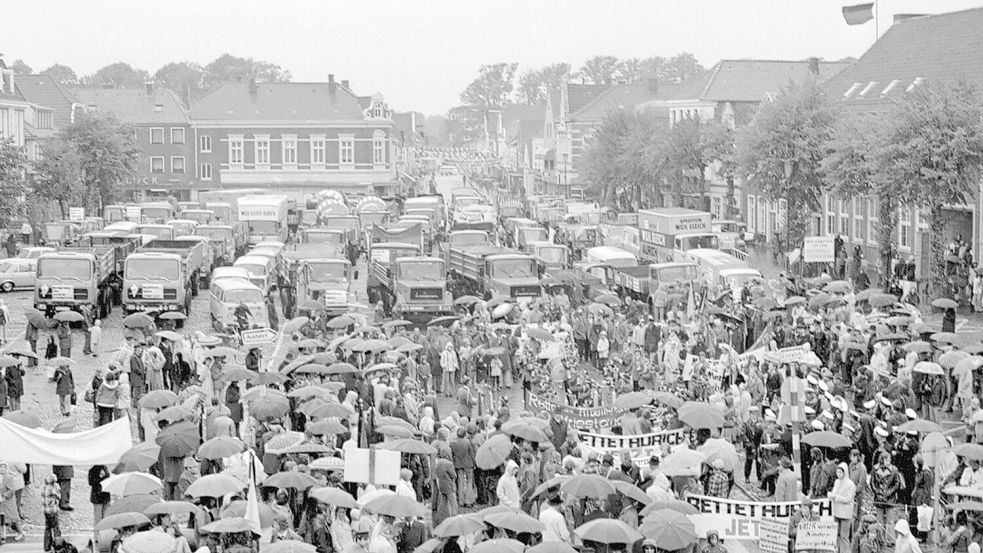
<point>741,520</point>
<point>103,445</point>
<point>819,249</point>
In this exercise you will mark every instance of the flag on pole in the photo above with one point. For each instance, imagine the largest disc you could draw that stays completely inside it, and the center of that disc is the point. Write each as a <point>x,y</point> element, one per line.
<point>858,14</point>
<point>252,502</point>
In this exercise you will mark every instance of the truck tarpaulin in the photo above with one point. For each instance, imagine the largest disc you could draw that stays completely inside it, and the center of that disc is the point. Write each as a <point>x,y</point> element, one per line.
<point>412,234</point>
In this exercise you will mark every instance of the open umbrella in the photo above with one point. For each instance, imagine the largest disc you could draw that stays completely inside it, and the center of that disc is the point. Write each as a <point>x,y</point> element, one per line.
<point>132,483</point>
<point>266,378</point>
<point>882,300</point>
<point>493,452</point>
<point>969,451</point>
<point>380,367</point>
<point>392,431</point>
<point>718,449</point>
<point>525,429</point>
<point>334,496</point>
<point>290,479</point>
<point>587,485</point>
<point>974,506</point>
<point>169,335</point>
<point>268,406</point>
<point>919,425</point>
<point>397,322</point>
<point>61,362</point>
<point>69,317</point>
<point>458,525</point>
<point>670,529</point>
<point>918,346</point>
<point>668,399</point>
<point>411,446</point>
<point>238,509</point>
<point>231,525</point>
<point>339,322</point>
<point>9,361</point>
<point>826,438</point>
<point>467,300</point>
<point>221,447</point>
<point>944,303</point>
<point>342,368</point>
<point>608,531</point>
<point>516,521</point>
<point>633,400</point>
<point>150,541</point>
<point>131,504</point>
<point>699,414</point>
<point>677,505</point>
<point>928,367</point>
<point>683,462</point>
<point>632,491</point>
<point>179,439</point>
<point>794,300</point>
<point>288,546</point>
<point>214,485</point>
<point>444,321</point>
<point>35,317</point>
<point>409,348</point>
<point>308,448</point>
<point>174,413</point>
<point>395,506</point>
<point>307,392</point>
<point>23,418</point>
<point>551,547</point>
<point>173,316</point>
<point>158,399</point>
<point>139,457</point>
<point>138,320</point>
<point>950,359</point>
<point>172,508</point>
<point>327,426</point>
<point>331,410</point>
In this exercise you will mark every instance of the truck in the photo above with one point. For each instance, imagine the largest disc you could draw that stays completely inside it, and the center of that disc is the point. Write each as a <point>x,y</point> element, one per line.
<point>323,278</point>
<point>461,239</point>
<point>493,270</point>
<point>551,257</point>
<point>411,286</point>
<point>163,276</point>
<point>157,212</point>
<point>264,216</point>
<point>62,232</point>
<point>477,216</point>
<point>73,277</point>
<point>230,239</point>
<point>664,231</point>
<point>434,202</point>
<point>379,259</point>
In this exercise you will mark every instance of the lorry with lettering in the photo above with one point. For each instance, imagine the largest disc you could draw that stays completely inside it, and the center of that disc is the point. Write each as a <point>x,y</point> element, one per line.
<point>73,277</point>
<point>669,230</point>
<point>493,270</point>
<point>265,216</point>
<point>411,286</point>
<point>163,276</point>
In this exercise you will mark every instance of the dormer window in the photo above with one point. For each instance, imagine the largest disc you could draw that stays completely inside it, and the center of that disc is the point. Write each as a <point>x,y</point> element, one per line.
<point>914,83</point>
<point>887,89</point>
<point>158,108</point>
<point>868,88</point>
<point>850,91</point>
<point>377,110</point>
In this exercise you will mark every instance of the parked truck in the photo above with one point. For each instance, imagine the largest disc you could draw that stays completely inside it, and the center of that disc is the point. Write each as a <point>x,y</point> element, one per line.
<point>665,231</point>
<point>230,238</point>
<point>322,278</point>
<point>163,276</point>
<point>73,277</point>
<point>411,286</point>
<point>265,216</point>
<point>492,270</point>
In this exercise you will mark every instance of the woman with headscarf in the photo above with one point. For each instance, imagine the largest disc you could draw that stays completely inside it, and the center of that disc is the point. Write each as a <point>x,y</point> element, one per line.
<point>445,498</point>
<point>842,496</point>
<point>507,490</point>
<point>904,542</point>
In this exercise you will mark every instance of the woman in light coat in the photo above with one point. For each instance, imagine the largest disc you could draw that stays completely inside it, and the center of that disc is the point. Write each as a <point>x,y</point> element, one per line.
<point>507,490</point>
<point>842,495</point>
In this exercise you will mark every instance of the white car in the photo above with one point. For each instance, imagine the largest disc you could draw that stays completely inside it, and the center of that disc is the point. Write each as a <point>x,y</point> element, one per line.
<point>17,273</point>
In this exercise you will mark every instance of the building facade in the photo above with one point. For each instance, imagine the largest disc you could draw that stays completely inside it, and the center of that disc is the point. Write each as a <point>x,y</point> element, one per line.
<point>13,108</point>
<point>294,138</point>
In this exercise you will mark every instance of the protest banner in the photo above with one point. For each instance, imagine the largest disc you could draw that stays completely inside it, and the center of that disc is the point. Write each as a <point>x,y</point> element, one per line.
<point>581,418</point>
<point>815,535</point>
<point>819,249</point>
<point>639,447</point>
<point>773,535</point>
<point>741,520</point>
<point>372,466</point>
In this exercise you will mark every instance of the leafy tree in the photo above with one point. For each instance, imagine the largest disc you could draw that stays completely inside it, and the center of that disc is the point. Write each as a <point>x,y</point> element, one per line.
<point>624,159</point>
<point>12,189</point>
<point>62,73</point>
<point>694,145</point>
<point>107,152</point>
<point>631,70</point>
<point>465,125</point>
<point>600,69</point>
<point>933,147</point>
<point>186,78</point>
<point>534,85</point>
<point>119,74</point>
<point>21,68</point>
<point>682,68</point>
<point>789,133</point>
<point>228,68</point>
<point>856,168</point>
<point>492,88</point>
<point>58,174</point>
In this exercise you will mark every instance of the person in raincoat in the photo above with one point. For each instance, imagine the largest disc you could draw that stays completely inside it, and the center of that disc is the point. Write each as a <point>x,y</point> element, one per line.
<point>507,490</point>
<point>904,542</point>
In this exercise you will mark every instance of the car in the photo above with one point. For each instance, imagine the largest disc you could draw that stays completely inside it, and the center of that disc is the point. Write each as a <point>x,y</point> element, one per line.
<point>34,252</point>
<point>17,273</point>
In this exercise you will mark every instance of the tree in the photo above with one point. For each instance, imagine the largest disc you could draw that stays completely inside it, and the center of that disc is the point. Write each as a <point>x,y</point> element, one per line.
<point>692,147</point>
<point>933,147</point>
<point>229,68</point>
<point>120,75</point>
<point>492,88</point>
<point>630,70</point>
<point>62,73</point>
<point>21,68</point>
<point>464,126</point>
<point>107,155</point>
<point>600,69</point>
<point>534,85</point>
<point>856,167</point>
<point>58,174</point>
<point>624,159</point>
<point>186,78</point>
<point>12,189</point>
<point>682,68</point>
<point>781,151</point>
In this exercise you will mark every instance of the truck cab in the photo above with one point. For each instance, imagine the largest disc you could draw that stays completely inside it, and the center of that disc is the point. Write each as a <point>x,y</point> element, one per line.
<point>227,295</point>
<point>420,287</point>
<point>512,275</point>
<point>525,235</point>
<point>162,231</point>
<point>333,237</point>
<point>551,257</point>
<point>157,212</point>
<point>60,233</point>
<point>326,280</point>
<point>183,227</point>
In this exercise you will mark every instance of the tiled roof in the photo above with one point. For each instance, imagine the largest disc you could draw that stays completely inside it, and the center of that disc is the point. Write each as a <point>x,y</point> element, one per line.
<point>940,47</point>
<point>750,80</point>
<point>518,112</point>
<point>134,105</point>
<point>579,95</point>
<point>47,92</point>
<point>277,102</point>
<point>627,95</point>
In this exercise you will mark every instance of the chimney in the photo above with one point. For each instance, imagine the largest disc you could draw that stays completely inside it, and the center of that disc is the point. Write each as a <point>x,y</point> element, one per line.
<point>813,65</point>
<point>252,87</point>
<point>899,17</point>
<point>653,85</point>
<point>344,84</point>
<point>331,84</point>
<point>149,88</point>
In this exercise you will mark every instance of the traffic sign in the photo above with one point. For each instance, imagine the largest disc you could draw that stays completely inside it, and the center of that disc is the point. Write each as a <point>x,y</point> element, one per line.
<point>258,336</point>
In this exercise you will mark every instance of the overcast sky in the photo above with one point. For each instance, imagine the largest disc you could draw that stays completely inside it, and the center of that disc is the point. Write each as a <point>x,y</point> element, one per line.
<point>421,54</point>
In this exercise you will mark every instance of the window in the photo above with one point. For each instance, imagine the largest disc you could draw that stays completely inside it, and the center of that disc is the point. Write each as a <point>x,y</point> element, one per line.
<point>860,220</point>
<point>844,218</point>
<point>262,150</point>
<point>752,214</point>
<point>235,150</point>
<point>156,135</point>
<point>904,228</point>
<point>873,217</point>
<point>177,135</point>
<point>830,215</point>
<point>177,164</point>
<point>158,108</point>
<point>317,150</point>
<point>346,150</point>
<point>206,171</point>
<point>289,150</point>
<point>156,164</point>
<point>205,144</point>
<point>379,148</point>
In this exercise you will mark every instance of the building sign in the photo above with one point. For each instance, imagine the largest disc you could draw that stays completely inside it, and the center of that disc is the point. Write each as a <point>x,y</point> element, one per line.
<point>137,182</point>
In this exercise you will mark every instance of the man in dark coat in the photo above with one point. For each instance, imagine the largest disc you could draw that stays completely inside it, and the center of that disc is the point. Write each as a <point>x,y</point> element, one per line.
<point>64,474</point>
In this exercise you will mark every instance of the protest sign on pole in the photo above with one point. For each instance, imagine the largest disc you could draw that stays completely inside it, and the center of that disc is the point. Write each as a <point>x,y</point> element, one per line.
<point>372,466</point>
<point>815,535</point>
<point>773,535</point>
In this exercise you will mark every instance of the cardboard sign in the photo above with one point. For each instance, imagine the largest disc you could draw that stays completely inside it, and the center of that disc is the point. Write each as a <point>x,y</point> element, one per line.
<point>591,418</point>
<point>76,214</point>
<point>372,466</point>
<point>773,535</point>
<point>818,535</point>
<point>819,249</point>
